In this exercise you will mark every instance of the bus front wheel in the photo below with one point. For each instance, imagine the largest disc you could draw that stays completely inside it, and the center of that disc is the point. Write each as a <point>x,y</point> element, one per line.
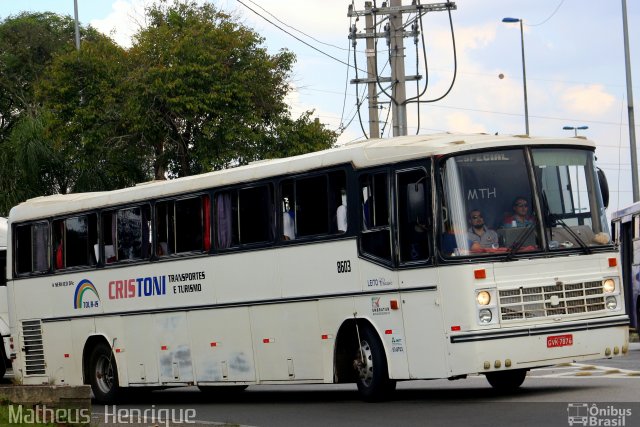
<point>3,368</point>
<point>103,374</point>
<point>506,381</point>
<point>371,368</point>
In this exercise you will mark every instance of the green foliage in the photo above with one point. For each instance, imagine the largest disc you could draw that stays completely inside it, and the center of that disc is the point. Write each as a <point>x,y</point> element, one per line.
<point>28,41</point>
<point>90,132</point>
<point>213,97</point>
<point>196,92</point>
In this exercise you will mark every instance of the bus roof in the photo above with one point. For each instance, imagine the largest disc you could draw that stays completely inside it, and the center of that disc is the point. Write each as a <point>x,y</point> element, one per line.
<point>626,212</point>
<point>360,154</point>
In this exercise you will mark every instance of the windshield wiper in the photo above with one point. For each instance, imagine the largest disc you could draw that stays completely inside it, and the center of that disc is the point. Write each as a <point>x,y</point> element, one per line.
<point>550,220</point>
<point>578,239</point>
<point>520,241</point>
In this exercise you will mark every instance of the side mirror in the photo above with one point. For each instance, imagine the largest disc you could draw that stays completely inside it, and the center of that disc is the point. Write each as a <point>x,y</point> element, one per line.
<point>604,187</point>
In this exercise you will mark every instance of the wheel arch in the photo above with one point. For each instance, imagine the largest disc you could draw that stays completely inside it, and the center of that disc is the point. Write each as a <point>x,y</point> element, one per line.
<point>89,345</point>
<point>346,347</point>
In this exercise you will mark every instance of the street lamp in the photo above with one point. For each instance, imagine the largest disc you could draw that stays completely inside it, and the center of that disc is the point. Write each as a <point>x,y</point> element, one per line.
<point>575,129</point>
<point>524,72</point>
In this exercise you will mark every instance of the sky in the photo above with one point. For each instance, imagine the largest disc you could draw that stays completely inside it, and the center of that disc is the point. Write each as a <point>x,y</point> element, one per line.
<point>574,56</point>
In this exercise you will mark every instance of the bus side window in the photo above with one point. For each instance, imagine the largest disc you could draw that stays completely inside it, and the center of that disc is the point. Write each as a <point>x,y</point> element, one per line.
<point>256,214</point>
<point>180,225</point>
<point>375,238</point>
<point>32,248</point>
<point>287,191</point>
<point>225,220</point>
<point>311,205</point>
<point>338,202</point>
<point>58,245</point>
<point>74,240</point>
<point>126,234</point>
<point>189,225</point>
<point>109,237</point>
<point>164,228</point>
<point>413,215</point>
<point>245,216</point>
<point>3,266</point>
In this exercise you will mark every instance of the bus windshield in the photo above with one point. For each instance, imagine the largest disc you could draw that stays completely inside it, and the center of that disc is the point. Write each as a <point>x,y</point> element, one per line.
<point>571,201</point>
<point>490,206</point>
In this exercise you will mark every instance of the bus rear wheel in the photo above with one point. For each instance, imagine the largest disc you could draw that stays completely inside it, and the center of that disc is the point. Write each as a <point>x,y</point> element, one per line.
<point>372,372</point>
<point>506,381</point>
<point>103,374</point>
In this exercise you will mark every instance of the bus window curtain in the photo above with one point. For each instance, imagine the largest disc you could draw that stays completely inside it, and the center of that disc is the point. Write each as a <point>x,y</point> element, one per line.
<point>224,220</point>
<point>272,214</point>
<point>456,204</point>
<point>40,245</point>
<point>145,244</point>
<point>206,232</point>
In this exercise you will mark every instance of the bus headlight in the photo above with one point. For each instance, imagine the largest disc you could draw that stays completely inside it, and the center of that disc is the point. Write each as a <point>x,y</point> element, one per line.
<point>483,298</point>
<point>609,285</point>
<point>484,316</point>
<point>611,302</point>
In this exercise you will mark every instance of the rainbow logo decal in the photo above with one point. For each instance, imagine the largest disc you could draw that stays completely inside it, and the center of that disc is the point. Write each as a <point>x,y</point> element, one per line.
<point>80,300</point>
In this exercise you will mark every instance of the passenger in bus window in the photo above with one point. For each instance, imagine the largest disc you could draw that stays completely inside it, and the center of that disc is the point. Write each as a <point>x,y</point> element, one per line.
<point>520,216</point>
<point>341,212</point>
<point>288,223</point>
<point>480,236</point>
<point>162,249</point>
<point>448,240</point>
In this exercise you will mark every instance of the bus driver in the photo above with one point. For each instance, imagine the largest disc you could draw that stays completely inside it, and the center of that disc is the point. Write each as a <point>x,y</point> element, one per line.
<point>479,235</point>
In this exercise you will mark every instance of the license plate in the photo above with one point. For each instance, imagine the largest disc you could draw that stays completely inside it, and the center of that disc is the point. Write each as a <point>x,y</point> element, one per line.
<point>559,340</point>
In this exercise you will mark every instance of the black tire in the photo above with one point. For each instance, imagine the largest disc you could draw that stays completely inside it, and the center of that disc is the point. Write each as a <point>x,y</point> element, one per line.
<point>103,375</point>
<point>372,373</point>
<point>507,381</point>
<point>3,365</point>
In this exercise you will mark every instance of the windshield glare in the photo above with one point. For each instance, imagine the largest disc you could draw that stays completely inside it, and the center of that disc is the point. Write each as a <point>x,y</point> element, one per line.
<point>489,206</point>
<point>574,214</point>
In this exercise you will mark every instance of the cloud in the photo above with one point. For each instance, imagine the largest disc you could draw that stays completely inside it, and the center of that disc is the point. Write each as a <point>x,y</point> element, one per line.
<point>462,122</point>
<point>126,17</point>
<point>587,99</point>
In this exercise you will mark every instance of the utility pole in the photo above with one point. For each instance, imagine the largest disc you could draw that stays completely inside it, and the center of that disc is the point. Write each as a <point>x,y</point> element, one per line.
<point>374,124</point>
<point>75,13</point>
<point>396,55</point>
<point>394,33</point>
<point>632,122</point>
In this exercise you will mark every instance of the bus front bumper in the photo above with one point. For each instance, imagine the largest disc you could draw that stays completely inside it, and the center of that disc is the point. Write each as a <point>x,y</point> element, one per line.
<point>542,345</point>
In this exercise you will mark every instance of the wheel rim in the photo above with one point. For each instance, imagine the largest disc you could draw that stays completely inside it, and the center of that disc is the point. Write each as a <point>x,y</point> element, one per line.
<point>364,363</point>
<point>104,374</point>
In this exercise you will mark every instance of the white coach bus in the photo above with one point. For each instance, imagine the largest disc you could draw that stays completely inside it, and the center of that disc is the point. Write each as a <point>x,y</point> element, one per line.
<point>410,258</point>
<point>5,347</point>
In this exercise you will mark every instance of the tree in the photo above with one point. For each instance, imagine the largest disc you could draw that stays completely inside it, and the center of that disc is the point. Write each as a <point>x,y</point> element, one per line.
<point>88,126</point>
<point>208,94</point>
<point>28,42</point>
<point>196,92</point>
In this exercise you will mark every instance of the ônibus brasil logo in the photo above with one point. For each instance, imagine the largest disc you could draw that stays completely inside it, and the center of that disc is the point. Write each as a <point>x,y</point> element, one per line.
<point>83,298</point>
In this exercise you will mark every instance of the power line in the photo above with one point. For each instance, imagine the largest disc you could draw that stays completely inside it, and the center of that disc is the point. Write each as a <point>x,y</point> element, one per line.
<point>294,28</point>
<point>548,18</point>
<point>295,37</point>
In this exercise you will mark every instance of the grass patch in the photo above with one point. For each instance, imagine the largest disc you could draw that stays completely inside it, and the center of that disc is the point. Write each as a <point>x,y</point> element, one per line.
<point>12,415</point>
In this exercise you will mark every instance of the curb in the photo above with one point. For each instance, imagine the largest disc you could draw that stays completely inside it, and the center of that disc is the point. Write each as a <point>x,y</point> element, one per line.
<point>51,396</point>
